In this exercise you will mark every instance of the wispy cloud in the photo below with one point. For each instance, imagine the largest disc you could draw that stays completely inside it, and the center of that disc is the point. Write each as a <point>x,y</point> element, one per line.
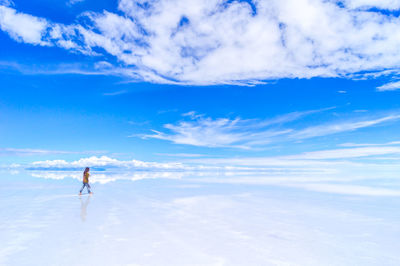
<point>181,155</point>
<point>73,2</point>
<point>224,132</point>
<point>98,69</point>
<point>201,43</point>
<point>323,159</point>
<point>115,93</point>
<point>347,153</point>
<point>138,123</point>
<point>35,152</point>
<point>104,161</point>
<point>160,112</point>
<point>389,86</point>
<point>200,130</point>
<point>334,128</point>
<point>369,144</point>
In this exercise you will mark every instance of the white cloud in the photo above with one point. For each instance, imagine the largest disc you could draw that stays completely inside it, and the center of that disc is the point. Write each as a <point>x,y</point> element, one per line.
<point>34,152</point>
<point>253,133</point>
<point>105,161</point>
<point>347,153</point>
<point>181,155</point>
<point>324,159</point>
<point>73,2</point>
<point>211,42</point>
<point>369,144</point>
<point>22,27</point>
<point>328,129</point>
<point>383,4</point>
<point>100,68</point>
<point>389,86</point>
<point>224,132</point>
<point>115,93</point>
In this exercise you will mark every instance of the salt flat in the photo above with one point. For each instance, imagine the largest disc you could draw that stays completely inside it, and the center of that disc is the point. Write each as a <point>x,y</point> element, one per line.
<point>188,220</point>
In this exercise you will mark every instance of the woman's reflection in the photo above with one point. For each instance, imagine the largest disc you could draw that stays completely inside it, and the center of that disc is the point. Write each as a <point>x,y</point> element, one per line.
<point>84,205</point>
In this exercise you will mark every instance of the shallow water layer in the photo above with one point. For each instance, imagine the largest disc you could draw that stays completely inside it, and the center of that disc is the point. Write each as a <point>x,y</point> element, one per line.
<point>193,221</point>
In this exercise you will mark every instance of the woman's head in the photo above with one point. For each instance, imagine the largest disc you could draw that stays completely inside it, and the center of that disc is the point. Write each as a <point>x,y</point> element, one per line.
<point>87,169</point>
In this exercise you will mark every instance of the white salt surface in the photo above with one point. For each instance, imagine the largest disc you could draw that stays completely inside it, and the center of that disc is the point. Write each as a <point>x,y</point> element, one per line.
<point>189,222</point>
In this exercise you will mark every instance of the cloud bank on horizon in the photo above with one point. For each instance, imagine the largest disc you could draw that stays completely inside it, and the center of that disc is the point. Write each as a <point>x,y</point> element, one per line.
<point>225,42</point>
<point>359,158</point>
<point>365,169</point>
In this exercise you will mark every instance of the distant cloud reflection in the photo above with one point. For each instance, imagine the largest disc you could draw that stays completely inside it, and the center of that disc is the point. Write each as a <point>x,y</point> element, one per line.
<point>350,179</point>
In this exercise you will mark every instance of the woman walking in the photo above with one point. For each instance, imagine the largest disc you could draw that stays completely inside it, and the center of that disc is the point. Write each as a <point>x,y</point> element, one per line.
<point>86,181</point>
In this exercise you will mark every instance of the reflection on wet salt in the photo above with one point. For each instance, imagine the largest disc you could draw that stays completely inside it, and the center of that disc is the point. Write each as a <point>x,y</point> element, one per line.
<point>84,205</point>
<point>356,184</point>
<point>196,220</point>
<point>104,177</point>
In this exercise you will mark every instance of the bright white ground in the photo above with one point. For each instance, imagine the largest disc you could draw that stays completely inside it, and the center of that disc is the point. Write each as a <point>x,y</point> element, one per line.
<point>194,221</point>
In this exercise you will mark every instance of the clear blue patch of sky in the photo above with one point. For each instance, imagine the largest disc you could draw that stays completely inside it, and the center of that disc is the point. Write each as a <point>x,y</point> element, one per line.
<point>60,11</point>
<point>71,112</point>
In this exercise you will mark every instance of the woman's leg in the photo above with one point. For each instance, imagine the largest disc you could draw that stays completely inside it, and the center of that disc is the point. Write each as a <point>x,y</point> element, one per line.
<point>83,186</point>
<point>88,187</point>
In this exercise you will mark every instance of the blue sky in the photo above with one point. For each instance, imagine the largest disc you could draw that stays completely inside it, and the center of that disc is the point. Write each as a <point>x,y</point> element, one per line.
<point>113,78</point>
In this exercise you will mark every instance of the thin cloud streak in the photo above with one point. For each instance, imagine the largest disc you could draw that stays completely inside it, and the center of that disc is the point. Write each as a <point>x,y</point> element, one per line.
<point>115,93</point>
<point>369,144</point>
<point>392,86</point>
<point>240,133</point>
<point>329,129</point>
<point>73,2</point>
<point>220,132</point>
<point>224,132</point>
<point>181,155</point>
<point>316,158</point>
<point>347,153</point>
<point>35,152</point>
<point>98,69</point>
<point>104,161</point>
